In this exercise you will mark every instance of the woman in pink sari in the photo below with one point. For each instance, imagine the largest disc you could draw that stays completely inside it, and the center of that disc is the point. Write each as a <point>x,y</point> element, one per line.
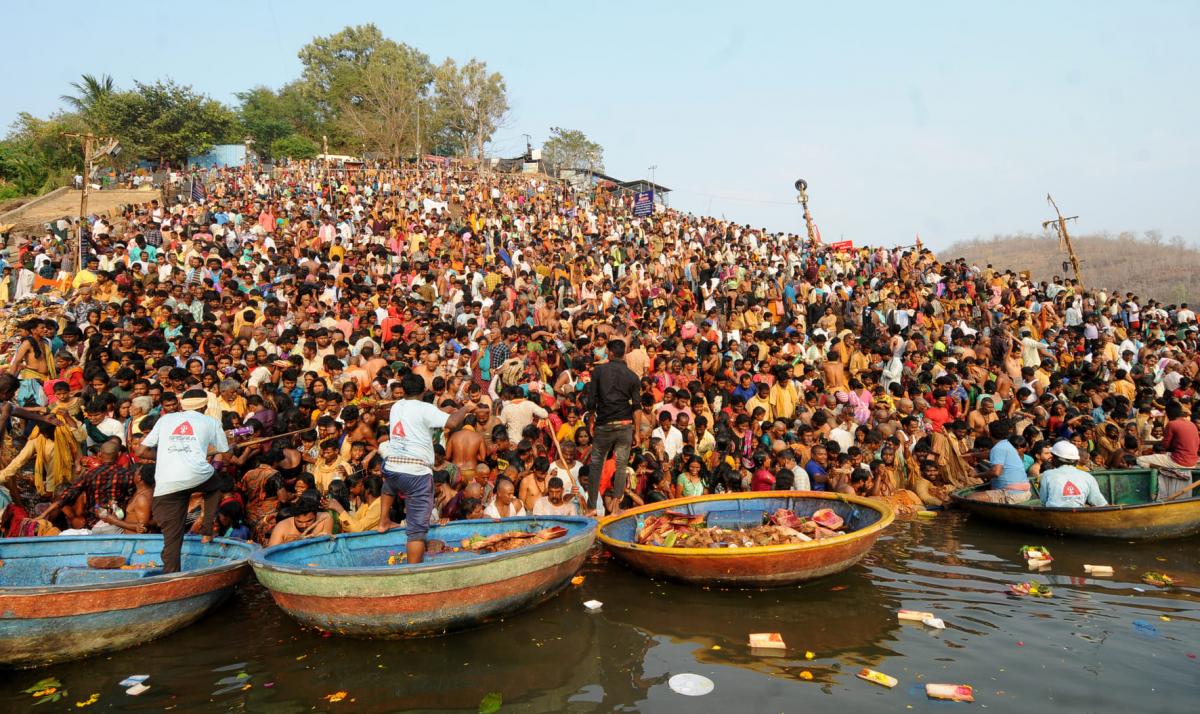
<point>859,399</point>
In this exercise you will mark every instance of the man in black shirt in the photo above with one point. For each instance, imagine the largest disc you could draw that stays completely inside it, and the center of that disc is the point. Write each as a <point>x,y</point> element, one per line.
<point>612,394</point>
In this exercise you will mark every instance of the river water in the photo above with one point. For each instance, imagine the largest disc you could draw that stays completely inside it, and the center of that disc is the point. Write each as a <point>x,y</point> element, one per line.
<point>1110,644</point>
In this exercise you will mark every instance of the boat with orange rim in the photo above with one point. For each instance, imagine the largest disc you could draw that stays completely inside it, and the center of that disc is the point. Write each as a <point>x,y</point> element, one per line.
<point>755,566</point>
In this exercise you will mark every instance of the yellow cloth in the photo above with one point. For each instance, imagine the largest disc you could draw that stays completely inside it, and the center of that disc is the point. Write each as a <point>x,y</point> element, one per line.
<point>783,400</point>
<point>325,473</point>
<point>366,518</point>
<point>84,277</point>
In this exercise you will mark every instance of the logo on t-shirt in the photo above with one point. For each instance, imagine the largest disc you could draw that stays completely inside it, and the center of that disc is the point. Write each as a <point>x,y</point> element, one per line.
<point>398,430</point>
<point>184,429</point>
<point>1070,489</point>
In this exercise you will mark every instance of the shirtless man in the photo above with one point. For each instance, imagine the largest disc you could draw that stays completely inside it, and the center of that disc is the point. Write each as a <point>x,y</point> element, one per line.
<point>986,414</point>
<point>534,484</point>
<point>466,449</point>
<point>429,368</point>
<point>137,512</point>
<point>33,363</point>
<point>835,374</point>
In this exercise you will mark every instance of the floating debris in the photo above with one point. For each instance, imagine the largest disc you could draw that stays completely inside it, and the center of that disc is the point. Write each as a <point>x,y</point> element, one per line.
<point>879,678</point>
<point>1033,588</point>
<point>691,685</point>
<point>89,701</point>
<point>1161,580</point>
<point>953,692</point>
<point>490,704</point>
<point>767,640</point>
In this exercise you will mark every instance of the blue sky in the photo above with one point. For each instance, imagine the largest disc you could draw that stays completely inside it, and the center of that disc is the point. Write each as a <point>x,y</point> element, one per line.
<point>947,119</point>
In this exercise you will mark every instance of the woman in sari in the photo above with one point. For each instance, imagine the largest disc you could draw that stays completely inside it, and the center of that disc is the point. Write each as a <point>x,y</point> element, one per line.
<point>260,486</point>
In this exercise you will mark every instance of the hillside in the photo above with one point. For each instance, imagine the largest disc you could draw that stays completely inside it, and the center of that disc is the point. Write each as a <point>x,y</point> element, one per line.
<point>1148,266</point>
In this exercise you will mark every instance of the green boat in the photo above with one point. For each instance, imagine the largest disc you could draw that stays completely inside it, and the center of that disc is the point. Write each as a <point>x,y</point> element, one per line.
<point>1134,513</point>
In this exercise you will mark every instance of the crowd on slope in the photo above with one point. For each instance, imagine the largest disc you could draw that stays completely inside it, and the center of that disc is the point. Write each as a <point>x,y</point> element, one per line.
<point>606,360</point>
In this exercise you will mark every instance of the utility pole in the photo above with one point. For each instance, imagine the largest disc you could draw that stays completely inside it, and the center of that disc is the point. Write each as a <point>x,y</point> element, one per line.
<point>653,168</point>
<point>83,197</point>
<point>528,147</point>
<point>1064,238</point>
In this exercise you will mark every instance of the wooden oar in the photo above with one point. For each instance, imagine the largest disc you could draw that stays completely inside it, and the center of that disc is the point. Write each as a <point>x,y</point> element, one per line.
<point>1187,489</point>
<point>567,467</point>
<point>264,439</point>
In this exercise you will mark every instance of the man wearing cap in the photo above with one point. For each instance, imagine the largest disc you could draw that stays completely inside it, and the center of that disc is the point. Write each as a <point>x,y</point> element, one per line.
<point>180,444</point>
<point>1066,486</point>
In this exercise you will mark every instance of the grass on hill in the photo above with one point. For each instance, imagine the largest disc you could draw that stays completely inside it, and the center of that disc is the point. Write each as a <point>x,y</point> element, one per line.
<point>1147,266</point>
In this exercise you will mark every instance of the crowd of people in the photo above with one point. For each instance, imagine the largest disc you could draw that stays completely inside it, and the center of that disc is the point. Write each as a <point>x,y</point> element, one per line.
<point>236,365</point>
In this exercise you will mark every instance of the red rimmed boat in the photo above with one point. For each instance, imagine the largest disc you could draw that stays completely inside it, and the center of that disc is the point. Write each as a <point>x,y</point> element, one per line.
<point>55,607</point>
<point>757,566</point>
<point>345,585</point>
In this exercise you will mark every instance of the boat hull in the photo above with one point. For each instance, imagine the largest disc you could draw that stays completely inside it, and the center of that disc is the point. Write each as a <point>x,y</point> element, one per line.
<point>1154,521</point>
<point>759,567</point>
<point>44,625</point>
<point>426,600</point>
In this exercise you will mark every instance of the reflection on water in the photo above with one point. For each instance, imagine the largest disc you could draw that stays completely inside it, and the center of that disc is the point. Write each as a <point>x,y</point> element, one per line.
<point>1079,651</point>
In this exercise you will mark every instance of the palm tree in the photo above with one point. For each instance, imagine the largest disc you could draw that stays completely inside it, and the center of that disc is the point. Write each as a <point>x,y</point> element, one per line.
<point>91,90</point>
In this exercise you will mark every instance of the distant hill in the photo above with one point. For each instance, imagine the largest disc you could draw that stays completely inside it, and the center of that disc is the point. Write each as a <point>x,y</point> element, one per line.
<point>1149,267</point>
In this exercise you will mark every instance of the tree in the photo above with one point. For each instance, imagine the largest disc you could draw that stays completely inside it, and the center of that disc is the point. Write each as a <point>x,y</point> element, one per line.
<point>90,94</point>
<point>470,103</point>
<point>267,115</point>
<point>167,121</point>
<point>293,146</point>
<point>383,115</point>
<point>89,91</point>
<point>347,69</point>
<point>36,156</point>
<point>571,149</point>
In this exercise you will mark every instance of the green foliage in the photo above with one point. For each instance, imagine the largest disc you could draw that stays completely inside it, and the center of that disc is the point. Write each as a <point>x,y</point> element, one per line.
<point>470,104</point>
<point>366,89</point>
<point>358,88</point>
<point>36,154</point>
<point>293,146</point>
<point>168,121</point>
<point>267,115</point>
<point>571,149</point>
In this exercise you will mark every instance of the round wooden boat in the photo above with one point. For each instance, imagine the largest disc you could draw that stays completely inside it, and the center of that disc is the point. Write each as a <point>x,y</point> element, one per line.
<point>55,607</point>
<point>344,584</point>
<point>751,567</point>
<point>1134,514</point>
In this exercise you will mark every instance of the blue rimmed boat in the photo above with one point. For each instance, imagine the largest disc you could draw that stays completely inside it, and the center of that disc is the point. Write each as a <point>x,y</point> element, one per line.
<point>344,584</point>
<point>55,607</point>
<point>756,566</point>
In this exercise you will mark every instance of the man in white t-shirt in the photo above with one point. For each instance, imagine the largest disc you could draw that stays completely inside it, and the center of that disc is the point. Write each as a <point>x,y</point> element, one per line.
<point>408,458</point>
<point>179,444</point>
